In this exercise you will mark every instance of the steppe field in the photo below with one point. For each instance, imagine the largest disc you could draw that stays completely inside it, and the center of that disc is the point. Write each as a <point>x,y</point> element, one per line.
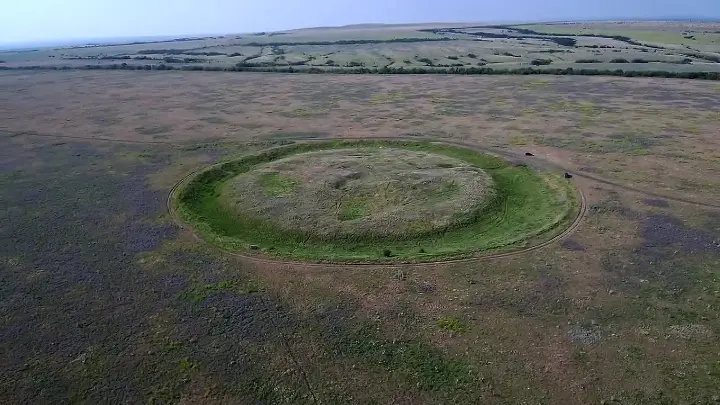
<point>109,295</point>
<point>657,48</point>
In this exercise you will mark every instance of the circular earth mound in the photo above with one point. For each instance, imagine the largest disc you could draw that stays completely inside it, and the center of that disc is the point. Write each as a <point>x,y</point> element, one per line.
<point>361,193</point>
<point>374,201</point>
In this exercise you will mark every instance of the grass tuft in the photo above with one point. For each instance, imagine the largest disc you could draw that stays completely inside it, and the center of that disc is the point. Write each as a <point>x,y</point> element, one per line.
<point>277,185</point>
<point>451,324</point>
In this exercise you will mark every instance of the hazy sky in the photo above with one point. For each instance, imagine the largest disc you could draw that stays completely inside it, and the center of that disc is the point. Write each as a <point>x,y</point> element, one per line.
<point>39,20</point>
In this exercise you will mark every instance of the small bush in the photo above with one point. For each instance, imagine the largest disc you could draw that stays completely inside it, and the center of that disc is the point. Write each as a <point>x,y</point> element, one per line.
<point>387,253</point>
<point>452,57</point>
<point>540,62</point>
<point>426,61</point>
<point>472,55</point>
<point>564,41</point>
<point>588,61</point>
<point>619,60</point>
<point>451,324</point>
<point>638,60</point>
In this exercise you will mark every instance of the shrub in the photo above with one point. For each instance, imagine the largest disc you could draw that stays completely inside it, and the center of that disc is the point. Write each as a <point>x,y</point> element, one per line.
<point>426,61</point>
<point>711,58</point>
<point>451,324</point>
<point>539,62</point>
<point>638,60</point>
<point>387,253</point>
<point>453,57</point>
<point>472,55</point>
<point>588,61</point>
<point>619,60</point>
<point>564,41</point>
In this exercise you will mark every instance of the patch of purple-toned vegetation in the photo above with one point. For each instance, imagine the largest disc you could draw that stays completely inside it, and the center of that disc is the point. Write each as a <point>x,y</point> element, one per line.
<point>225,328</point>
<point>666,231</point>
<point>667,258</point>
<point>173,284</point>
<point>426,288</point>
<point>73,227</point>
<point>572,244</point>
<point>656,202</point>
<point>246,317</point>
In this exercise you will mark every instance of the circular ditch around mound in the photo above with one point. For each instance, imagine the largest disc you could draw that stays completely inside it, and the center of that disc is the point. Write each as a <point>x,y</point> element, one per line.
<point>374,201</point>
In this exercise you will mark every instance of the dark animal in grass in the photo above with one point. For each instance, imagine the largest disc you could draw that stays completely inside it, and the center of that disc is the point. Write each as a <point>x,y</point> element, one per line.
<point>568,176</point>
<point>528,154</point>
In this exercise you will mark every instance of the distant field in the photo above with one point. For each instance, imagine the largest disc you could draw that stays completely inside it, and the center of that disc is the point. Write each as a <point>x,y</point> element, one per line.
<point>666,33</point>
<point>666,48</point>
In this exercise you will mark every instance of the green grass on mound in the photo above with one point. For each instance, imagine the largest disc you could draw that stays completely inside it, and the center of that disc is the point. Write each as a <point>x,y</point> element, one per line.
<point>526,208</point>
<point>277,185</point>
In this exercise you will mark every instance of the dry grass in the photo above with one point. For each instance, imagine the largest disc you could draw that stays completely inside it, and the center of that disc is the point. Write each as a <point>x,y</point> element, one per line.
<point>97,294</point>
<point>678,130</point>
<point>362,193</point>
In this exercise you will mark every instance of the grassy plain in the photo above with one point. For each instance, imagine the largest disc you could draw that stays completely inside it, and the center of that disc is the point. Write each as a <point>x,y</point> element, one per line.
<point>104,300</point>
<point>629,46</point>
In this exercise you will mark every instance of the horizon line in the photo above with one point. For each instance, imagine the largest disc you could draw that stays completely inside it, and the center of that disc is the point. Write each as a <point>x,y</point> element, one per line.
<point>92,41</point>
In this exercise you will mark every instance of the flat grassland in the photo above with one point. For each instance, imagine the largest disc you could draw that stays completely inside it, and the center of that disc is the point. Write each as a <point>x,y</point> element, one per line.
<point>104,299</point>
<point>673,47</point>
